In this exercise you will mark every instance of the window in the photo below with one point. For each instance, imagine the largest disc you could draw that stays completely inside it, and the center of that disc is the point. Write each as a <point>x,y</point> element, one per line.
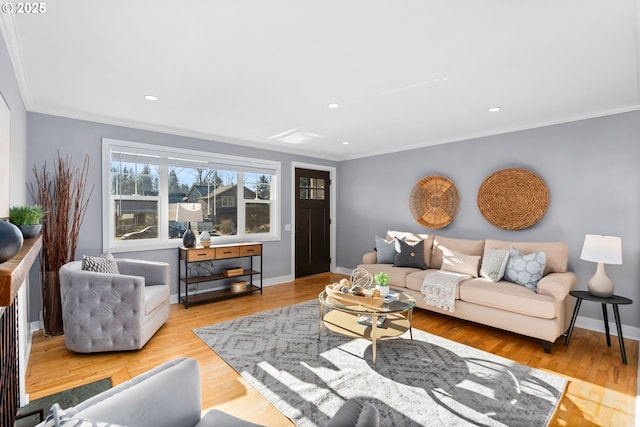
<point>144,183</point>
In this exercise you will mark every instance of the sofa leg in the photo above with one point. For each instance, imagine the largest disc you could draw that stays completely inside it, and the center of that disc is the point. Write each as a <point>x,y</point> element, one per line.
<point>546,345</point>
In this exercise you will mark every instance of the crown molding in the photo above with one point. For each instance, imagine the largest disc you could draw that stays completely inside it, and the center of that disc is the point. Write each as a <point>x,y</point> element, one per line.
<point>10,35</point>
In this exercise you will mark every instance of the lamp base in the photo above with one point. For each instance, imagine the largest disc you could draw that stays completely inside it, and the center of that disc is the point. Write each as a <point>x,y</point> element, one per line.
<point>600,285</point>
<point>189,238</point>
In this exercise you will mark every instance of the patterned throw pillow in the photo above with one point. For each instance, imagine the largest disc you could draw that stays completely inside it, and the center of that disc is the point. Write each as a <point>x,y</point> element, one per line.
<point>410,255</point>
<point>58,418</point>
<point>494,264</point>
<point>386,250</point>
<point>455,262</point>
<point>104,263</point>
<point>525,270</point>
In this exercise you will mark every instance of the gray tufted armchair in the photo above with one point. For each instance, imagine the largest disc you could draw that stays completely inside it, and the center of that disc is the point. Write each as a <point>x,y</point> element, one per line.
<point>113,312</point>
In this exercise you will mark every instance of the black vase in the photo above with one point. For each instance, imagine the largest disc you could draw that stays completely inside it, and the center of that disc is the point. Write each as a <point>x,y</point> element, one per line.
<point>10,241</point>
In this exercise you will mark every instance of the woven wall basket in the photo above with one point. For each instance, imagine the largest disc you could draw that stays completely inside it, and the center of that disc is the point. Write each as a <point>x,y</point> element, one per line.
<point>513,199</point>
<point>434,201</point>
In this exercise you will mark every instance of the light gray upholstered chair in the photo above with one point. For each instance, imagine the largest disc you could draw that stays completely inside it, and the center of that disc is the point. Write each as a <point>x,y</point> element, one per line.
<point>113,312</point>
<point>170,395</point>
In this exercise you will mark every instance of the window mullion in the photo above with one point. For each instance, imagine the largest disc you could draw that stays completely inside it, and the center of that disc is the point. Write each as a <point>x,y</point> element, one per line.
<point>163,190</point>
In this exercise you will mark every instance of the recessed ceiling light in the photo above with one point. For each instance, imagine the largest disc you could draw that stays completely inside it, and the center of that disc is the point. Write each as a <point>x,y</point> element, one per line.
<point>333,105</point>
<point>494,109</point>
<point>150,98</point>
<point>346,143</point>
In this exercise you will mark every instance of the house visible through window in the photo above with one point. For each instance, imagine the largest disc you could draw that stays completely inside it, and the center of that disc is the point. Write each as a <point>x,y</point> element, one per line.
<point>146,182</point>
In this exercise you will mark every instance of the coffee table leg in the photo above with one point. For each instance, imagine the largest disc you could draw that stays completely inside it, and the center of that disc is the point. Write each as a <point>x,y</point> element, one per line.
<point>374,335</point>
<point>410,324</point>
<point>322,310</point>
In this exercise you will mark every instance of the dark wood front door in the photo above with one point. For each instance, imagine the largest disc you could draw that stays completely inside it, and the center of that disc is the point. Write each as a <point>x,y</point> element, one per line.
<point>312,222</point>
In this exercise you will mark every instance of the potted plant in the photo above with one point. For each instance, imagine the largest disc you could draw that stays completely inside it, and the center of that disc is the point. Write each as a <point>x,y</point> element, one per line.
<point>27,218</point>
<point>382,283</point>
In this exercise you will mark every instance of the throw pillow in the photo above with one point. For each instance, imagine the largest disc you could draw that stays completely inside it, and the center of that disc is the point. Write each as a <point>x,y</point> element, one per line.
<point>386,250</point>
<point>410,255</point>
<point>455,262</point>
<point>104,263</point>
<point>525,270</point>
<point>494,264</point>
<point>58,418</point>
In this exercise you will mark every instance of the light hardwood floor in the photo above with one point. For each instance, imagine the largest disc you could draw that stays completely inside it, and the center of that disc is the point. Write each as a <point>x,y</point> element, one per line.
<point>601,390</point>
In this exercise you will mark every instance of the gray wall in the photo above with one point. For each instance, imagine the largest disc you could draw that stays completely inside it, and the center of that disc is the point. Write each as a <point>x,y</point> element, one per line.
<point>591,167</point>
<point>47,134</point>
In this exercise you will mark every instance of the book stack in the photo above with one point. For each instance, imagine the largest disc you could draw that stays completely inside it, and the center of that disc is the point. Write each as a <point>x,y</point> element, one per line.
<point>240,286</point>
<point>366,320</point>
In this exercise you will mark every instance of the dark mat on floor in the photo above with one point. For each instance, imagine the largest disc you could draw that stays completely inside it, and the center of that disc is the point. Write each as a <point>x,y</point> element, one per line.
<point>65,399</point>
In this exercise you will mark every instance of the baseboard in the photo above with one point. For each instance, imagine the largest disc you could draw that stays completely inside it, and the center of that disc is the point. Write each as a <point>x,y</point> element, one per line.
<point>597,325</point>
<point>343,270</point>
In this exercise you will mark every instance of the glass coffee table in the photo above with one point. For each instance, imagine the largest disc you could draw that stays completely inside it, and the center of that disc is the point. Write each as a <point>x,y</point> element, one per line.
<point>345,318</point>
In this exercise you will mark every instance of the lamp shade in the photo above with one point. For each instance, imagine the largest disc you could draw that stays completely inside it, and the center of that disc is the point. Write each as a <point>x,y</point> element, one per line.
<point>189,212</point>
<point>604,249</point>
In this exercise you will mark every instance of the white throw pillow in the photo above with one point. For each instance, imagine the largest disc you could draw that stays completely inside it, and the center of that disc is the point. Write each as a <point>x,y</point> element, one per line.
<point>58,418</point>
<point>494,264</point>
<point>455,262</point>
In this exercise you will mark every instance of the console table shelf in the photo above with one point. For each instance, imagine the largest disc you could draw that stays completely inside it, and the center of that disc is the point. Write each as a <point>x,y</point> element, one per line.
<point>214,255</point>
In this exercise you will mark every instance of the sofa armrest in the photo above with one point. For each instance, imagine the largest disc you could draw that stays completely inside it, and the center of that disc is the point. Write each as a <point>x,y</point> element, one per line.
<point>370,258</point>
<point>167,396</point>
<point>154,273</point>
<point>557,285</point>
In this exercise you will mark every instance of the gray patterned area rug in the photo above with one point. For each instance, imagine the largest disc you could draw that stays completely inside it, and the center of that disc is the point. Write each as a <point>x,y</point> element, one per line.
<point>429,381</point>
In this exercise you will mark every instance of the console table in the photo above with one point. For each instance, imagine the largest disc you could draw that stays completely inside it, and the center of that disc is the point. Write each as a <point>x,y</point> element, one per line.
<point>213,269</point>
<point>614,300</point>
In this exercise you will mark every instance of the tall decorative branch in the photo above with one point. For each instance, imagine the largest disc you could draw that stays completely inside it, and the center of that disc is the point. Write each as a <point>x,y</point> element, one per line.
<point>64,199</point>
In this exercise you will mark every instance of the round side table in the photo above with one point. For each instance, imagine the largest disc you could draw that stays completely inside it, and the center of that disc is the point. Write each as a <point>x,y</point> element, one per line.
<point>615,301</point>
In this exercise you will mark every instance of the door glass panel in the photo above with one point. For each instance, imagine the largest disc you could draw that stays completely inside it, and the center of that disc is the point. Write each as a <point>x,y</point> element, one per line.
<point>312,188</point>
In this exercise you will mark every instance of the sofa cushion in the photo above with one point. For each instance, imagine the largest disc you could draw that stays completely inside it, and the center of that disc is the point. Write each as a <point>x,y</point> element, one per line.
<point>525,270</point>
<point>410,255</point>
<point>104,263</point>
<point>557,252</point>
<point>415,280</point>
<point>510,297</point>
<point>386,250</point>
<point>460,263</point>
<point>494,263</point>
<point>397,275</point>
<point>463,246</point>
<point>413,237</point>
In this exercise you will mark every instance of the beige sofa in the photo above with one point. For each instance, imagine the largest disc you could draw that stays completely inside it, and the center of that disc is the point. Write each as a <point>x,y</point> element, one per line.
<point>545,314</point>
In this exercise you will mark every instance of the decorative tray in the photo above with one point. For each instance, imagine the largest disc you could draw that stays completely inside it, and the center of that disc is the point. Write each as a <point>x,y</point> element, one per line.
<point>352,299</point>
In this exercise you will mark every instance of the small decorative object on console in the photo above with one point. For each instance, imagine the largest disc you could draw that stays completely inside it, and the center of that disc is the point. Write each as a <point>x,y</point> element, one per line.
<point>205,239</point>
<point>11,239</point>
<point>234,271</point>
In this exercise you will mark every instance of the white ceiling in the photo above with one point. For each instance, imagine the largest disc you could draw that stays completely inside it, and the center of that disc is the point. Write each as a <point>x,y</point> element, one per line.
<point>405,73</point>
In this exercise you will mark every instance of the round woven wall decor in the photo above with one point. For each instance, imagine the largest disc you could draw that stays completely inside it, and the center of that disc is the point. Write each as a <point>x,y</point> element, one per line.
<point>513,199</point>
<point>434,201</point>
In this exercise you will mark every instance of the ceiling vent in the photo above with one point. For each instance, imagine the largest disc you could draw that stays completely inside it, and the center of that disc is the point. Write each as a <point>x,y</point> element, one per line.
<point>295,136</point>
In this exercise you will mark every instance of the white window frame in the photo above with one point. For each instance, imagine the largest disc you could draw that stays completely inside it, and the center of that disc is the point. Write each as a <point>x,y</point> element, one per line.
<point>167,154</point>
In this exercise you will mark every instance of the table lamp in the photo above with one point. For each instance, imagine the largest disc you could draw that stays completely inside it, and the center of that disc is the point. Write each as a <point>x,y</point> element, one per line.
<point>189,212</point>
<point>603,250</point>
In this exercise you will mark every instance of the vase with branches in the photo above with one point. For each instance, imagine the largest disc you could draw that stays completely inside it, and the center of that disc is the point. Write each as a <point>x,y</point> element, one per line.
<point>63,196</point>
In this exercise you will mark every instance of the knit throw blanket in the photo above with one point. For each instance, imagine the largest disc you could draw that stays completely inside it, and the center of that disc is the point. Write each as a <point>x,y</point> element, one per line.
<point>439,289</point>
